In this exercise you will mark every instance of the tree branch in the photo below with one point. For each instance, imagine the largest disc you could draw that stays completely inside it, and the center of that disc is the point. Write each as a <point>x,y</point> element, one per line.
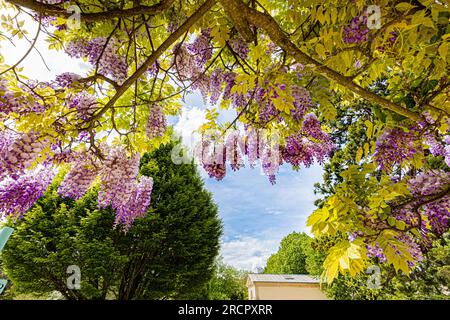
<point>54,10</point>
<point>96,77</point>
<point>241,25</point>
<point>279,37</point>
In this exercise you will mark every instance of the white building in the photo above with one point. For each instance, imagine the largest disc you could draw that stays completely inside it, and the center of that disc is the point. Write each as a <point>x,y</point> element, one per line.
<point>284,287</point>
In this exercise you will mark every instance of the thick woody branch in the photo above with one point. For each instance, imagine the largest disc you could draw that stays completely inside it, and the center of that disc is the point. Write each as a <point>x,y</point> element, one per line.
<point>231,9</point>
<point>278,36</point>
<point>54,10</point>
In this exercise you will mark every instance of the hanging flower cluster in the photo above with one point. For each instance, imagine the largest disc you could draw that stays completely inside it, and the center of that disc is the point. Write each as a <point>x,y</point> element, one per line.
<point>80,176</point>
<point>119,188</point>
<point>18,195</point>
<point>102,53</point>
<point>357,31</point>
<point>395,146</point>
<point>156,122</point>
<point>303,148</point>
<point>85,104</point>
<point>66,79</point>
<point>18,152</point>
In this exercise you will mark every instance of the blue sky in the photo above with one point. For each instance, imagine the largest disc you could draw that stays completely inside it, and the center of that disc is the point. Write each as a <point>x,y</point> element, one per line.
<point>256,215</point>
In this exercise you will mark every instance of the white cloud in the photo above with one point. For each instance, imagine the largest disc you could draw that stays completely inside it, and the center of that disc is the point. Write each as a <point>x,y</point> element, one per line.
<point>274,212</point>
<point>188,123</point>
<point>257,215</point>
<point>248,253</point>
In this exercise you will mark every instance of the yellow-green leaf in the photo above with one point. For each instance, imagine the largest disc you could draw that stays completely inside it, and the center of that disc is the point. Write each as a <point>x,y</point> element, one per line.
<point>404,6</point>
<point>359,154</point>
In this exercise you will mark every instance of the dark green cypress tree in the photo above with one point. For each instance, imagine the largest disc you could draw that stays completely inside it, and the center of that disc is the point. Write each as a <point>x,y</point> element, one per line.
<point>179,256</point>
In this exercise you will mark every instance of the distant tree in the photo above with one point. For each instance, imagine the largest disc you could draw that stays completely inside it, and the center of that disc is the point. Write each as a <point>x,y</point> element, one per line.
<point>291,256</point>
<point>315,254</point>
<point>227,283</point>
<point>273,264</point>
<point>167,254</point>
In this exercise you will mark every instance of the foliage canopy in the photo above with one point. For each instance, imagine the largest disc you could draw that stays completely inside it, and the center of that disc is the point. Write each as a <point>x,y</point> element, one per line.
<point>281,66</point>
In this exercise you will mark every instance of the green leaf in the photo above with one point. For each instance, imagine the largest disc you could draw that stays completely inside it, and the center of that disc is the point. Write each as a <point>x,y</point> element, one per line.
<point>400,225</point>
<point>443,50</point>
<point>404,6</point>
<point>320,49</point>
<point>359,154</point>
<point>369,126</point>
<point>366,149</point>
<point>392,221</point>
<point>396,252</point>
<point>327,108</point>
<point>344,256</point>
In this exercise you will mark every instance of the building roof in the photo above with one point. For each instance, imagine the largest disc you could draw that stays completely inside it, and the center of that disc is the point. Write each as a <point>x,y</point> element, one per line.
<point>290,278</point>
